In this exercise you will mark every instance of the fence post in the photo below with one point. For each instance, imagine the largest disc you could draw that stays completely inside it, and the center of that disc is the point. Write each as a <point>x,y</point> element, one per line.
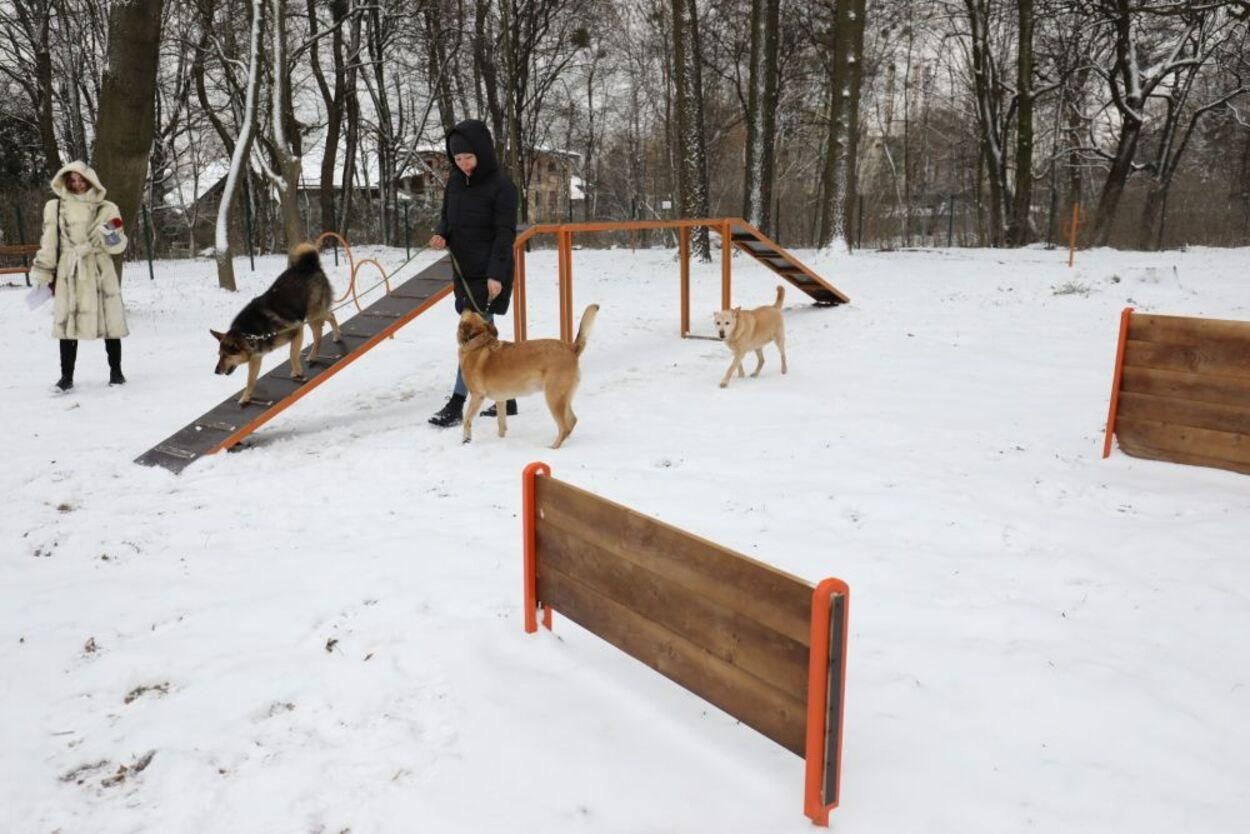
<point>950,219</point>
<point>1076,219</point>
<point>859,234</point>
<point>247,225</point>
<point>407,234</point>
<point>147,235</point>
<point>21,236</point>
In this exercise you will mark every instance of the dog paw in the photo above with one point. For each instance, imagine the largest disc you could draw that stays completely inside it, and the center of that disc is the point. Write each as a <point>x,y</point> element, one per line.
<point>300,376</point>
<point>724,385</point>
<point>244,400</point>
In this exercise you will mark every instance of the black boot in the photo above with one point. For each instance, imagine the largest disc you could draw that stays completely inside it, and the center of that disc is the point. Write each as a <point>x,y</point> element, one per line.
<point>452,414</point>
<point>510,410</point>
<point>113,347</point>
<point>69,355</point>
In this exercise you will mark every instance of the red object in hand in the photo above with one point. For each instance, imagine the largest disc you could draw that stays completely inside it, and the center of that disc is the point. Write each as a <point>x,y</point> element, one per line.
<point>114,223</point>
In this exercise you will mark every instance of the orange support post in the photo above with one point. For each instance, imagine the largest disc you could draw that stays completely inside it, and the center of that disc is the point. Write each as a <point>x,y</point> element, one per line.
<point>1125,315</point>
<point>564,265</point>
<point>816,801</point>
<point>1076,220</point>
<point>726,263</point>
<point>529,520</point>
<point>683,250</point>
<point>518,296</point>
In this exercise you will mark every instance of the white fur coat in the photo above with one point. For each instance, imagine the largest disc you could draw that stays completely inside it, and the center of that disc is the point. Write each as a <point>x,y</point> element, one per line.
<point>88,302</point>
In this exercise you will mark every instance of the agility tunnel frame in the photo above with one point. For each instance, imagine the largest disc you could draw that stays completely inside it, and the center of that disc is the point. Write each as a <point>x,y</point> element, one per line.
<point>764,646</point>
<point>1181,391</point>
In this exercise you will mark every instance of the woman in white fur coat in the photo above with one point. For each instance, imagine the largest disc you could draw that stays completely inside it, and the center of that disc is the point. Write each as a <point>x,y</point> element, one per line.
<point>81,233</point>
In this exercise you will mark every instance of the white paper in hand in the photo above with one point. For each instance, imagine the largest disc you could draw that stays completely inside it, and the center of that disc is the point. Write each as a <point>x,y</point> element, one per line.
<point>39,296</point>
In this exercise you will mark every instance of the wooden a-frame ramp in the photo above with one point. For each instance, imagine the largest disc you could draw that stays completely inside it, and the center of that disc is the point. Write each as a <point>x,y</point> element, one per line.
<point>228,423</point>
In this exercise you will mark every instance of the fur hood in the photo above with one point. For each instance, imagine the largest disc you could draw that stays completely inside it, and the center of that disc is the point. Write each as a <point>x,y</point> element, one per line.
<point>95,193</point>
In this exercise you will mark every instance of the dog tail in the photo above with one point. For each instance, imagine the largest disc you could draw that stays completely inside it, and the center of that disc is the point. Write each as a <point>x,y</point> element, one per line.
<point>781,295</point>
<point>583,329</point>
<point>304,258</point>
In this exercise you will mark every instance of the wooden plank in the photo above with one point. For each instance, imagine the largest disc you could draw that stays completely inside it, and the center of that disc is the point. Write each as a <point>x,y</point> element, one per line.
<point>776,599</point>
<point>1186,330</point>
<point>761,707</point>
<point>1139,450</point>
<point>1139,433</point>
<point>1226,390</point>
<point>1185,412</point>
<point>1210,358</point>
<point>775,659</point>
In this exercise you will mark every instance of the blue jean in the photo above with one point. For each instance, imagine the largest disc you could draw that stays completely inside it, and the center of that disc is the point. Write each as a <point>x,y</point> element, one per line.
<point>460,390</point>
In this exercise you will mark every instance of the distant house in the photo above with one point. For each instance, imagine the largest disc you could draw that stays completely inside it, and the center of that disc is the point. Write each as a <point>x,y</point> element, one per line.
<point>555,191</point>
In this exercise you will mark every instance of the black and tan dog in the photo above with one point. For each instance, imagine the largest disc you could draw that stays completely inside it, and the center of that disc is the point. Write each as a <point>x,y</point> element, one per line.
<point>501,371</point>
<point>301,295</point>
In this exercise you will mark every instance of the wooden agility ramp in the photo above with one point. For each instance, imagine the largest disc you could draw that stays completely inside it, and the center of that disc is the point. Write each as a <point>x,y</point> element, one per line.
<point>227,423</point>
<point>1181,391</point>
<point>766,647</point>
<point>735,233</point>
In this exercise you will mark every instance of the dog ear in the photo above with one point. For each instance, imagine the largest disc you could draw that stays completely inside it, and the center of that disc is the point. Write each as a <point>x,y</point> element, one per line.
<point>216,335</point>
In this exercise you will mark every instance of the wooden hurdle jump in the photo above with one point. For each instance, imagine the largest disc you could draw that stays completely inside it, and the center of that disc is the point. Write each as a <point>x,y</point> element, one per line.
<point>1181,391</point>
<point>762,645</point>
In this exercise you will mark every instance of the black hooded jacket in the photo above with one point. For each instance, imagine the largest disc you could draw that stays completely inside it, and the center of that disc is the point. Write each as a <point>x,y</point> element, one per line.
<point>479,221</point>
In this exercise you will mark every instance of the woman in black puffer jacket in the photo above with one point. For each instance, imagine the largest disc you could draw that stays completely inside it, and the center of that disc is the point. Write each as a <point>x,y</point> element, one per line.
<point>478,224</point>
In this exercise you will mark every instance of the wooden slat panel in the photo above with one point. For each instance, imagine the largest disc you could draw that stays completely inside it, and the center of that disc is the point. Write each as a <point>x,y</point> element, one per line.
<point>1185,412</point>
<point>1137,433</point>
<point>775,659</point>
<point>1139,450</point>
<point>1186,330</point>
<point>1214,358</point>
<point>763,708</point>
<point>1225,390</point>
<point>769,596</point>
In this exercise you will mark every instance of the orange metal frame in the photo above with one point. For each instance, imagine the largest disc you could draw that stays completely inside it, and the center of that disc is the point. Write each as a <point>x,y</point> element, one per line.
<point>564,246</point>
<point>1113,409</point>
<point>389,330</point>
<point>814,804</point>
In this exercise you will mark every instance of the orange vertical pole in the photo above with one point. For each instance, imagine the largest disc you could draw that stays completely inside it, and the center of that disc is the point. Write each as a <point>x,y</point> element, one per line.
<point>568,287</point>
<point>562,270</point>
<point>726,263</point>
<point>815,804</point>
<point>683,256</point>
<point>518,297</point>
<point>529,510</point>
<point>1076,219</point>
<point>1115,380</point>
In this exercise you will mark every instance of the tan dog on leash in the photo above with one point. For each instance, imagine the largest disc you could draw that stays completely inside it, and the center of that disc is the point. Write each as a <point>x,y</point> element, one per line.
<point>749,330</point>
<point>501,371</point>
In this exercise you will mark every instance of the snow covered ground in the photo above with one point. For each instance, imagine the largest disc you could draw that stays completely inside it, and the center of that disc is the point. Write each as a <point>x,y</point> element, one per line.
<point>323,633</point>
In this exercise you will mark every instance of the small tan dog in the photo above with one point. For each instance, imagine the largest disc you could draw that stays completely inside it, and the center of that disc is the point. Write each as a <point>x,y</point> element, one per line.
<point>501,371</point>
<point>749,330</point>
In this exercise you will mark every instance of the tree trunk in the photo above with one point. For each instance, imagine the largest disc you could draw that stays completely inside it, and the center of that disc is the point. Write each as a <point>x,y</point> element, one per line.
<point>761,117</point>
<point>333,100</point>
<point>124,131</point>
<point>286,142</point>
<point>1020,229</point>
<point>851,111</point>
<point>834,177</point>
<point>692,152</point>
<point>438,67</point>
<point>242,147</point>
